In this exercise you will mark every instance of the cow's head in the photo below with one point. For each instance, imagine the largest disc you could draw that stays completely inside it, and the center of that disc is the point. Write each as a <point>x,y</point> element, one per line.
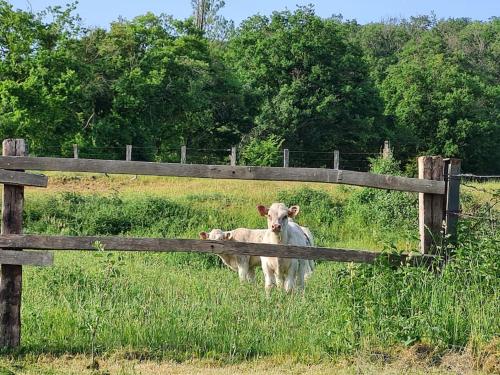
<point>216,235</point>
<point>278,215</point>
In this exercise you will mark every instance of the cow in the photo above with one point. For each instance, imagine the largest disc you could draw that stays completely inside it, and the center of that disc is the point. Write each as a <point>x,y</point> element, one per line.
<point>283,272</point>
<point>243,264</point>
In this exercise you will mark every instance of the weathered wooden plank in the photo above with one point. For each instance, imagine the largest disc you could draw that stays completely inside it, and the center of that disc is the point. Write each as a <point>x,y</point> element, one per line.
<point>183,154</point>
<point>32,258</point>
<point>183,245</point>
<point>336,159</point>
<point>425,205</point>
<point>226,172</point>
<point>431,206</point>
<point>11,276</point>
<point>128,153</point>
<point>40,242</point>
<point>386,151</point>
<point>232,157</point>
<point>22,178</point>
<point>438,202</point>
<point>286,158</point>
<point>452,170</point>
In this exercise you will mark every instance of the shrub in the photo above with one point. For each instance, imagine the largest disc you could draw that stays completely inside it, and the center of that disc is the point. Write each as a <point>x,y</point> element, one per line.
<point>262,152</point>
<point>390,210</point>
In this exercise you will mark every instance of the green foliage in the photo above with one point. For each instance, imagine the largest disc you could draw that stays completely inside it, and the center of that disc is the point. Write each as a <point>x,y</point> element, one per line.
<point>441,109</point>
<point>318,84</point>
<point>265,153</point>
<point>148,82</point>
<point>208,20</point>
<point>439,81</point>
<point>309,84</point>
<point>387,165</point>
<point>73,214</point>
<point>388,210</point>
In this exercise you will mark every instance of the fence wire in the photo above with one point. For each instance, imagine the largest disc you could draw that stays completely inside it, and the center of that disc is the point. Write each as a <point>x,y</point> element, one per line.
<point>485,212</point>
<point>349,160</point>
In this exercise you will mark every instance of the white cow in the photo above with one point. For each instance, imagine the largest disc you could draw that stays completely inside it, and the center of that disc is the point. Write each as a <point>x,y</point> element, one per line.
<point>309,266</point>
<point>243,264</point>
<point>283,272</point>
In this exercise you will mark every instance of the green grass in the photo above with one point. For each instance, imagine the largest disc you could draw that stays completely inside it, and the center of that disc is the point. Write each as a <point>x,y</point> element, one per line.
<point>185,306</point>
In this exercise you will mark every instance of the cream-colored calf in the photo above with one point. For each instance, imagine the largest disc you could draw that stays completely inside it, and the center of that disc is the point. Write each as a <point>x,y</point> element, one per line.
<point>243,264</point>
<point>283,272</point>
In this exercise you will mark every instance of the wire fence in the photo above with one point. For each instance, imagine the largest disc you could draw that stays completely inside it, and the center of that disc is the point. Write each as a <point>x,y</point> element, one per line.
<point>357,161</point>
<point>488,210</point>
<point>347,160</point>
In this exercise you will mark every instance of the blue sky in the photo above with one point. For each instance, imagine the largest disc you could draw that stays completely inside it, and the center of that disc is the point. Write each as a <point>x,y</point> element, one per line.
<point>101,13</point>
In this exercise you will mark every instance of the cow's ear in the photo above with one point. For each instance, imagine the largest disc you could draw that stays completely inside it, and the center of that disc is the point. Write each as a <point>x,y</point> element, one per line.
<point>263,210</point>
<point>228,235</point>
<point>293,211</point>
<point>203,235</point>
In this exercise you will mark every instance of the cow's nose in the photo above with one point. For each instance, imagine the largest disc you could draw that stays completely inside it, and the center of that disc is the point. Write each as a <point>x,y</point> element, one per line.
<point>276,227</point>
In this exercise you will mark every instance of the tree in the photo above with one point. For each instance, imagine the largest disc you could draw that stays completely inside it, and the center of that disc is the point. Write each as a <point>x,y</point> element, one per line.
<point>309,84</point>
<point>440,108</point>
<point>150,82</point>
<point>167,88</point>
<point>208,21</point>
<point>40,76</point>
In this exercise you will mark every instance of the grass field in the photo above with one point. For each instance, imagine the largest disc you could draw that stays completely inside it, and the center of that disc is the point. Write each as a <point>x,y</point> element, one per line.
<point>187,308</point>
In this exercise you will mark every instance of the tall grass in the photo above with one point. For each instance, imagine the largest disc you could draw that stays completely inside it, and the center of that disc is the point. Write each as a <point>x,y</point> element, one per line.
<point>183,306</point>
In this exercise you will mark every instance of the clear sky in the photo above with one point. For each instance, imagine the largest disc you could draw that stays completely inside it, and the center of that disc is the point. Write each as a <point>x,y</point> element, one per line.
<point>102,12</point>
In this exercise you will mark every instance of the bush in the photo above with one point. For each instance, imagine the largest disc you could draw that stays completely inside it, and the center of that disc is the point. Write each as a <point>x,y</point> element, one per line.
<point>79,215</point>
<point>264,153</point>
<point>389,210</point>
<point>315,205</point>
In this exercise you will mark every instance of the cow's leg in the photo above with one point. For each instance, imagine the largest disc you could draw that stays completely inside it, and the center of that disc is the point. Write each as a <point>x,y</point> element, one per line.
<point>303,266</point>
<point>269,277</point>
<point>243,271</point>
<point>306,268</point>
<point>270,282</point>
<point>290,278</point>
<point>280,280</point>
<point>251,275</point>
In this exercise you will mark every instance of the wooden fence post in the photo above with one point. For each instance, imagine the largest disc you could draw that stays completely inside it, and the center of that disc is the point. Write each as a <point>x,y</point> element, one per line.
<point>452,199</point>
<point>183,154</point>
<point>11,275</point>
<point>75,151</point>
<point>386,152</point>
<point>430,206</point>
<point>233,156</point>
<point>128,154</point>
<point>336,159</point>
<point>286,158</point>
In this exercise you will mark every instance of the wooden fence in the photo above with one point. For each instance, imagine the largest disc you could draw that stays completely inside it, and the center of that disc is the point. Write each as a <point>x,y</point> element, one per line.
<point>386,151</point>
<point>436,196</point>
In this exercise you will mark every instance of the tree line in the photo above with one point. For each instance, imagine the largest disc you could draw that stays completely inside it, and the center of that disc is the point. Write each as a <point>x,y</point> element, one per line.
<point>291,79</point>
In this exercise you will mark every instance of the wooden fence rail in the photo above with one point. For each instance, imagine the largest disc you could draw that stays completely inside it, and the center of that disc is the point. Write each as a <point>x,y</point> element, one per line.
<point>22,179</point>
<point>28,258</point>
<point>39,242</point>
<point>226,172</point>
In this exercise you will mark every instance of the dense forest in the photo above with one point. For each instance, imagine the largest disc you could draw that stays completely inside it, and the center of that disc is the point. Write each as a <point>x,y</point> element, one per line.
<point>291,79</point>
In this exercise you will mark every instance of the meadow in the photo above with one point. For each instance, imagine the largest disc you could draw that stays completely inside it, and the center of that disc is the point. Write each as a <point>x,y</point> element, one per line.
<point>186,307</point>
